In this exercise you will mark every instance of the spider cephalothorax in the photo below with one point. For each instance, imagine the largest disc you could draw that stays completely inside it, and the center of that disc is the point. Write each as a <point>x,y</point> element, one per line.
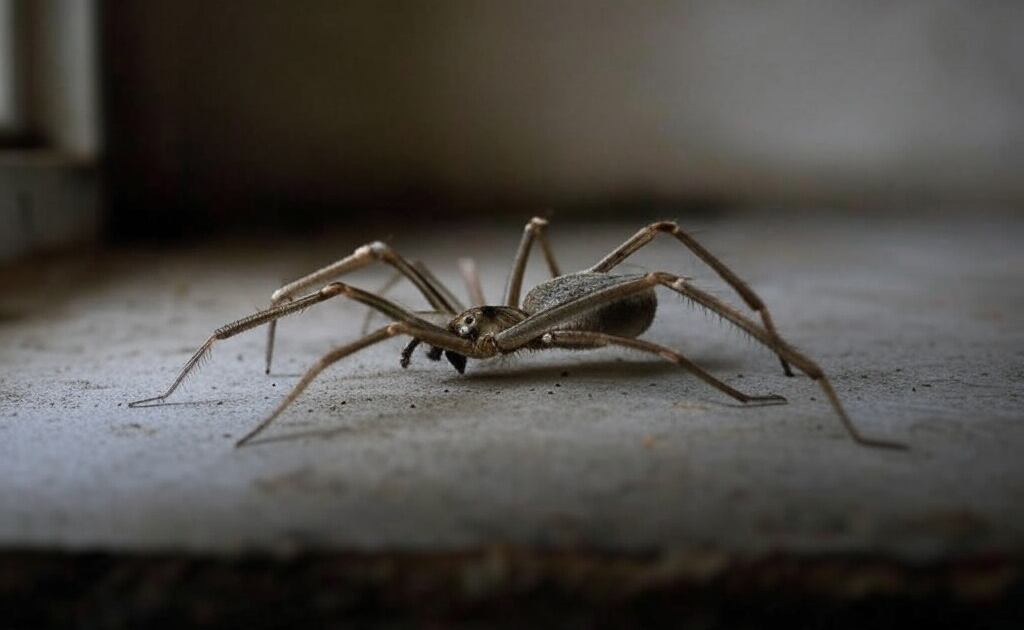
<point>584,310</point>
<point>475,324</point>
<point>485,320</point>
<point>479,322</point>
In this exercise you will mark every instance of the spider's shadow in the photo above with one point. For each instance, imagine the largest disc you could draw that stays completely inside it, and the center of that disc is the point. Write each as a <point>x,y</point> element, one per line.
<point>621,370</point>
<point>182,403</point>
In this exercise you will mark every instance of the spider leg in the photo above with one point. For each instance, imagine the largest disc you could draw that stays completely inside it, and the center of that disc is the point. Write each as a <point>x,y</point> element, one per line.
<point>331,357</point>
<point>440,287</point>
<point>440,298</point>
<point>433,335</point>
<point>467,267</point>
<point>533,330</point>
<point>368,318</point>
<point>334,289</point>
<point>781,348</point>
<point>581,339</point>
<point>647,234</point>
<point>236,327</point>
<point>536,228</point>
<point>396,277</point>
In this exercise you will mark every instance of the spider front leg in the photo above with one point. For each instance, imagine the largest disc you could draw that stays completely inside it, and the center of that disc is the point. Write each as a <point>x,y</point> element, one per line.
<point>439,297</point>
<point>334,289</point>
<point>647,234</point>
<point>429,277</point>
<point>419,331</point>
<point>246,323</point>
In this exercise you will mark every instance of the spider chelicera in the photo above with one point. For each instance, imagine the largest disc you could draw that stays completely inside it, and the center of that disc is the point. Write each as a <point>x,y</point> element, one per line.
<point>584,310</point>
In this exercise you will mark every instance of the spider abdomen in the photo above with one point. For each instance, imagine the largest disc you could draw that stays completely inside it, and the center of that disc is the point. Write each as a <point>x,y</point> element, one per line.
<point>627,317</point>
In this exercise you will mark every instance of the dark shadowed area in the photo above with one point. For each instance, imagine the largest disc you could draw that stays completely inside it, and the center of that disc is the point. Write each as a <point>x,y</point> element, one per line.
<point>165,167</point>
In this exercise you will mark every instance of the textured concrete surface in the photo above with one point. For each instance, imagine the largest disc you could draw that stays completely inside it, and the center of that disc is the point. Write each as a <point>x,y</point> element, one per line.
<point>918,322</point>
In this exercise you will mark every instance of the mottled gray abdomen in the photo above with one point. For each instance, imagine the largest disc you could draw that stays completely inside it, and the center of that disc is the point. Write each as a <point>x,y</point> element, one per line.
<point>627,317</point>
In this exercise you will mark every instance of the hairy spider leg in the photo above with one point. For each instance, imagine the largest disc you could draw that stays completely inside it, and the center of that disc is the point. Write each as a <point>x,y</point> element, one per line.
<point>579,339</point>
<point>536,325</point>
<point>647,234</point>
<point>437,337</point>
<point>273,313</point>
<point>439,297</point>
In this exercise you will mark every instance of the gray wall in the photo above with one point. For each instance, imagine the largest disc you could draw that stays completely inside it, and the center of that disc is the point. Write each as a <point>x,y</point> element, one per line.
<point>240,107</point>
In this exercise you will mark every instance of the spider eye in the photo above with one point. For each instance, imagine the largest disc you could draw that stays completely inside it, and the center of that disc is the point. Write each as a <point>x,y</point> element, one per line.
<point>469,320</point>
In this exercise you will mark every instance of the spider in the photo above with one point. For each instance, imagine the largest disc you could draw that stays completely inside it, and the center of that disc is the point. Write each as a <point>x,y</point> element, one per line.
<point>584,310</point>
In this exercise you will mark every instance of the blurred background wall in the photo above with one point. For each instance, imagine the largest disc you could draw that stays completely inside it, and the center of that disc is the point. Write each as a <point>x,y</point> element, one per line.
<point>50,130</point>
<point>222,115</point>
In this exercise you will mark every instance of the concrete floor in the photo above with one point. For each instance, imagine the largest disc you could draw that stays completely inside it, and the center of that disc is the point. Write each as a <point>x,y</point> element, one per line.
<point>918,322</point>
